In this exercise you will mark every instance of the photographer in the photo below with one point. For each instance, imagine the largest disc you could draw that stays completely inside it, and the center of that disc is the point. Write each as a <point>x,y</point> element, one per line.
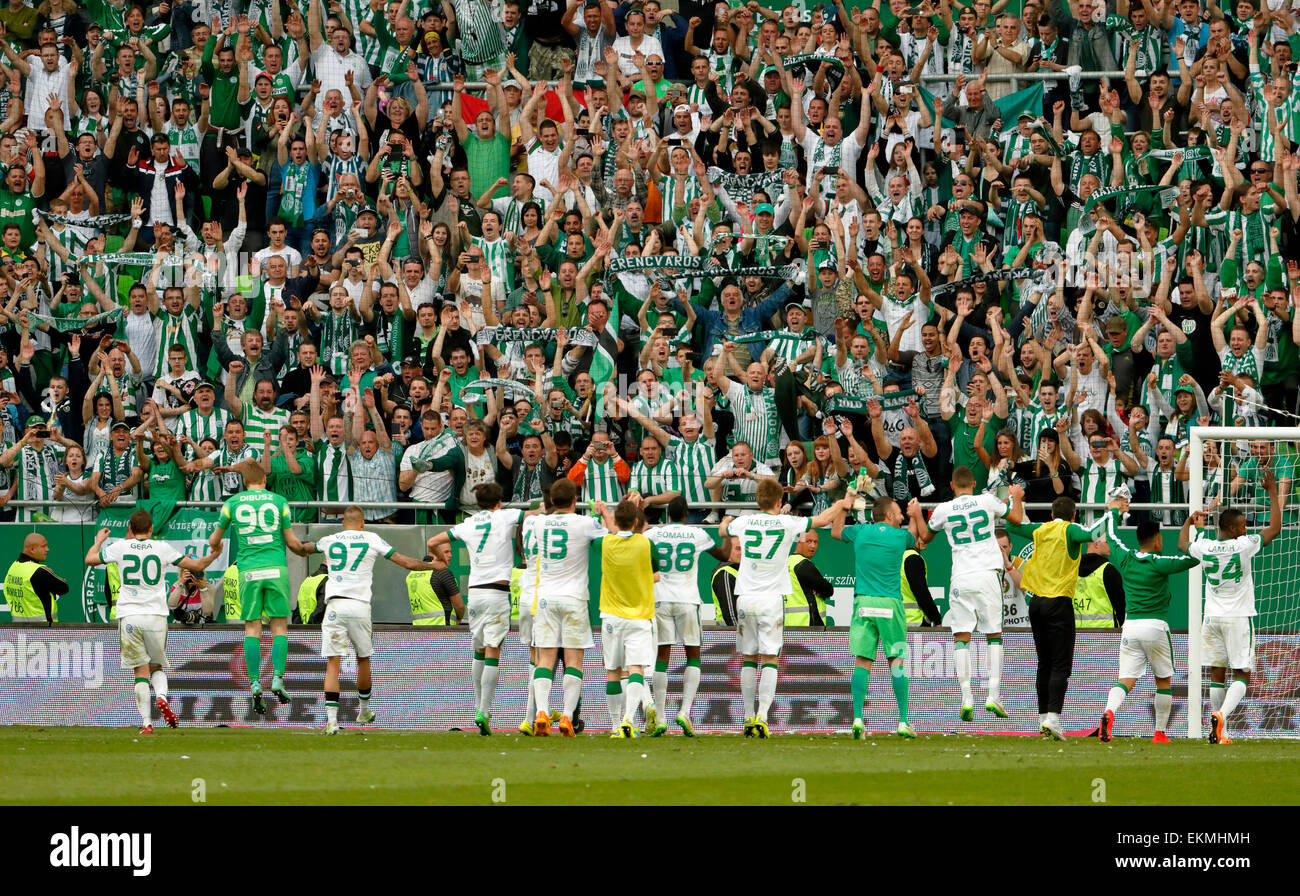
<point>191,599</point>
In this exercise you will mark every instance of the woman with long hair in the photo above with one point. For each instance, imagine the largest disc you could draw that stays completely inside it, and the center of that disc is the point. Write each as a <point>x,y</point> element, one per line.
<point>1006,453</point>
<point>73,486</point>
<point>826,473</point>
<point>794,464</point>
<point>1046,477</point>
<point>99,411</point>
<point>439,259</point>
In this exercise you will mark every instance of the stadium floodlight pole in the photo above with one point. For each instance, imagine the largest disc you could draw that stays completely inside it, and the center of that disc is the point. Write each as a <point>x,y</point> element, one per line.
<point>1199,435</point>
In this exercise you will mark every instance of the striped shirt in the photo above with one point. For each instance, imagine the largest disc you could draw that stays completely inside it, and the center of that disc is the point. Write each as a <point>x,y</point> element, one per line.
<point>500,261</point>
<point>194,425</point>
<point>231,483</point>
<point>601,482</point>
<point>478,35</point>
<point>333,472</point>
<point>1029,422</point>
<point>662,478</point>
<point>757,421</point>
<point>337,333</point>
<point>1166,488</point>
<point>433,485</point>
<point>176,329</point>
<point>1250,364</point>
<point>36,472</point>
<point>257,422</point>
<point>376,480</point>
<point>115,469</point>
<point>1097,481</point>
<point>694,460</point>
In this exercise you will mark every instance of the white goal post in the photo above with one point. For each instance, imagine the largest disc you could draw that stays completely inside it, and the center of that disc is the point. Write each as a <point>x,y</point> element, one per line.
<point>1196,483</point>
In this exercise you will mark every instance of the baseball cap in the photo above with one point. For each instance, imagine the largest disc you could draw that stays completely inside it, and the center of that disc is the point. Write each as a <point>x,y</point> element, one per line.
<point>205,384</point>
<point>770,70</point>
<point>636,92</point>
<point>368,210</point>
<point>1184,388</point>
<point>764,208</point>
<point>512,83</point>
<point>683,109</point>
<point>121,424</point>
<point>1115,325</point>
<point>411,361</point>
<point>1026,114</point>
<point>795,303</point>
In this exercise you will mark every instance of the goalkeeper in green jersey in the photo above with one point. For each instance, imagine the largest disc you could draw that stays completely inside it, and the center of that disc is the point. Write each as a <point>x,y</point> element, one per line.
<point>262,530</point>
<point>1145,637</point>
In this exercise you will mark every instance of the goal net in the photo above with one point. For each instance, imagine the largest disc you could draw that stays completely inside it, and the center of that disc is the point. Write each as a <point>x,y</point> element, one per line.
<point>1226,466</point>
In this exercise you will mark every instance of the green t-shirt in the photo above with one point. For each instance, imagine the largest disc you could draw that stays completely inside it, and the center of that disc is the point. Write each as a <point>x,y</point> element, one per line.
<point>878,558</point>
<point>963,443</point>
<point>259,518</point>
<point>17,208</point>
<point>295,486</point>
<point>166,482</point>
<point>225,111</point>
<point>486,161</point>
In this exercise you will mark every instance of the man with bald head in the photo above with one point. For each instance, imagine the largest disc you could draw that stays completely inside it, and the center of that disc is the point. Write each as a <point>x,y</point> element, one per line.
<point>31,587</point>
<point>805,605</point>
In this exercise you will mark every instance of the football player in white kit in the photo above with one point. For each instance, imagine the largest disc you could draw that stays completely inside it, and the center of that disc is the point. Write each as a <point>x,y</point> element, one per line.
<point>527,597</point>
<point>975,598</point>
<point>1227,624</point>
<point>489,536</point>
<point>561,618</point>
<point>677,551</point>
<point>350,557</point>
<point>142,607</point>
<point>766,539</point>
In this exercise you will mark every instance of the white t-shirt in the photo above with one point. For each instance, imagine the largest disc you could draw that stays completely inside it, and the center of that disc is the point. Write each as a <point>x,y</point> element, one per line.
<point>766,540</point>
<point>562,543</point>
<point>350,556</point>
<point>528,581</point>
<point>969,521</point>
<point>1229,581</point>
<point>677,550</point>
<point>489,536</point>
<point>292,257</point>
<point>141,564</point>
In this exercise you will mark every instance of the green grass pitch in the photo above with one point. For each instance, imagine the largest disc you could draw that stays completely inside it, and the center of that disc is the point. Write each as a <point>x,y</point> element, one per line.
<point>66,766</point>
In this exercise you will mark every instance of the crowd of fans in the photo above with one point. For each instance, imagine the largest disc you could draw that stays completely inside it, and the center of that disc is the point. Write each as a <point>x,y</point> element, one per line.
<point>394,250</point>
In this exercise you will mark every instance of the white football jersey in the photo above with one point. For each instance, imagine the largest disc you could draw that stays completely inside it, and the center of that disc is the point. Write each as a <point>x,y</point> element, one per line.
<point>766,540</point>
<point>142,565</point>
<point>1225,566</point>
<point>528,581</point>
<point>350,557</point>
<point>490,537</point>
<point>562,543</point>
<point>969,521</point>
<point>677,549</point>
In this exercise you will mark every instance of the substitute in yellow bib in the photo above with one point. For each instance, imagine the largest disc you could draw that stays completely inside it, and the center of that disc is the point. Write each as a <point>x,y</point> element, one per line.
<point>31,588</point>
<point>311,594</point>
<point>627,610</point>
<point>1099,592</point>
<point>1049,580</point>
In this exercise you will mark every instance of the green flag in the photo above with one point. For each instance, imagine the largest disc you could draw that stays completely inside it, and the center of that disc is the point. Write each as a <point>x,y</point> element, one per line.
<point>1028,100</point>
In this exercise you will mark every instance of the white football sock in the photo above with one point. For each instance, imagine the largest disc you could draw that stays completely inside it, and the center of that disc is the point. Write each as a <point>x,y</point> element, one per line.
<point>748,686</point>
<point>1236,691</point>
<point>961,656</point>
<point>661,690</point>
<point>531,712</point>
<point>477,672</point>
<point>615,703</point>
<point>766,690</point>
<point>542,691</point>
<point>1115,699</point>
<point>331,712</point>
<point>1163,703</point>
<point>572,693</point>
<point>634,690</point>
<point>488,687</point>
<point>159,681</point>
<point>142,702</point>
<point>690,684</point>
<point>995,671</point>
<point>1054,719</point>
<point>1217,692</point>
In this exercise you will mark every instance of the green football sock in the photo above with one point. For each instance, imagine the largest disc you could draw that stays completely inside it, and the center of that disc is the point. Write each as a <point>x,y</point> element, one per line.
<point>898,675</point>
<point>253,657</point>
<point>858,684</point>
<point>279,654</point>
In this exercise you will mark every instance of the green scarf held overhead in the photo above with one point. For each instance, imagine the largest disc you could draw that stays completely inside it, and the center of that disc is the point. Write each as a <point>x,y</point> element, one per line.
<point>477,391</point>
<point>528,335</point>
<point>766,336</point>
<point>99,222</point>
<point>746,183</point>
<point>889,401</point>
<point>137,259</point>
<point>1166,194</point>
<point>69,324</point>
